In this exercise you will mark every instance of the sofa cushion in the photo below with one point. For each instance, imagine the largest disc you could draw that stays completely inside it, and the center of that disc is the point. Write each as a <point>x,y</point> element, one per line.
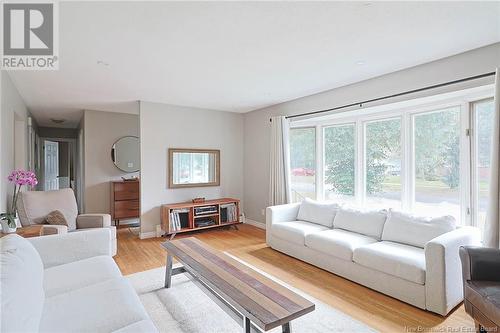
<point>417,231</point>
<point>295,231</point>
<point>102,307</point>
<point>79,274</point>
<point>337,242</point>
<point>404,261</point>
<point>21,285</point>
<point>369,223</point>
<point>317,212</point>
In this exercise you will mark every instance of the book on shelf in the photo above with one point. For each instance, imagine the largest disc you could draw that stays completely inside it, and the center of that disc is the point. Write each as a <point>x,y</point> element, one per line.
<point>178,219</point>
<point>229,213</point>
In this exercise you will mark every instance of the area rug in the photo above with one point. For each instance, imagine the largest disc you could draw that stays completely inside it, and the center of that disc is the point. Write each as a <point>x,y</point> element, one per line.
<point>185,308</point>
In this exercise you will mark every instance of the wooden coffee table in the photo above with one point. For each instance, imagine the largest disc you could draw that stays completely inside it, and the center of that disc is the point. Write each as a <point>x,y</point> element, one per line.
<point>257,301</point>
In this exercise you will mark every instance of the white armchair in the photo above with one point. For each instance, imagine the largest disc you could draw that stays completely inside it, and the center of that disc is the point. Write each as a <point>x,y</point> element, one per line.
<point>34,206</point>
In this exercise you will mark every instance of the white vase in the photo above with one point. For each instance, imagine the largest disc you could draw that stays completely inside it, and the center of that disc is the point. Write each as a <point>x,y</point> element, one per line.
<point>6,229</point>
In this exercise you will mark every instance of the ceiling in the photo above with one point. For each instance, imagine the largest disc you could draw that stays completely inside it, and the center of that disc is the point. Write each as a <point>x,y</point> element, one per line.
<point>240,56</point>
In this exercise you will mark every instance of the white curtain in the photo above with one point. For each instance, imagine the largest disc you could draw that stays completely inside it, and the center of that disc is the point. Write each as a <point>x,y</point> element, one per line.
<point>279,182</point>
<point>492,226</point>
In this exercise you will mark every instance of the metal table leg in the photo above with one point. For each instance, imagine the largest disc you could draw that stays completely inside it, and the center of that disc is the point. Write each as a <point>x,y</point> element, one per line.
<point>246,325</point>
<point>286,328</point>
<point>168,272</point>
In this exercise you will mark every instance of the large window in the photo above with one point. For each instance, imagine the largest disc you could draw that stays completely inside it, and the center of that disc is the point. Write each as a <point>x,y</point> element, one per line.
<point>428,160</point>
<point>437,162</point>
<point>483,128</point>
<point>303,163</point>
<point>383,163</point>
<point>339,147</point>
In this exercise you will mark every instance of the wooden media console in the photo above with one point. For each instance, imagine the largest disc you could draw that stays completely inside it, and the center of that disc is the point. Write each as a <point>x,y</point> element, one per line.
<point>188,216</point>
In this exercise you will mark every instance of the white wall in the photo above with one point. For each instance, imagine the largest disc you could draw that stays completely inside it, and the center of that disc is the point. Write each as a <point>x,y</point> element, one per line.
<point>257,126</point>
<point>166,126</point>
<point>20,143</point>
<point>13,109</point>
<point>100,130</point>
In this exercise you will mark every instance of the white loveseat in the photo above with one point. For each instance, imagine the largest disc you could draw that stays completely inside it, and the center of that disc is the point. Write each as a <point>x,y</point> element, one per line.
<point>66,283</point>
<point>412,259</point>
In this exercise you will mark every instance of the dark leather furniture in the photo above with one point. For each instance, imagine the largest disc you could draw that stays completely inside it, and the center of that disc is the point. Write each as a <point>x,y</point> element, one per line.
<point>481,277</point>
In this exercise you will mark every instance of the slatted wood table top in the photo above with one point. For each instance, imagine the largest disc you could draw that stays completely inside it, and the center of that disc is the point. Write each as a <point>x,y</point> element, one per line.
<point>266,303</point>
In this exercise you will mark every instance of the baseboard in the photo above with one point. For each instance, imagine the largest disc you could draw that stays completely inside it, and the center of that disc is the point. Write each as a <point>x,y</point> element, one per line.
<point>150,234</point>
<point>255,223</point>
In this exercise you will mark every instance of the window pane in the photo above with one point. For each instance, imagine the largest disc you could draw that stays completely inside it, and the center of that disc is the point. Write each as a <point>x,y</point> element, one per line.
<point>303,163</point>
<point>437,163</point>
<point>483,113</point>
<point>383,164</point>
<point>339,162</point>
<point>193,167</point>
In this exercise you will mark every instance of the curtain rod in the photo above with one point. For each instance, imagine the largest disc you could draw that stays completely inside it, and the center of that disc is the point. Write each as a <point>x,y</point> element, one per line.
<point>360,104</point>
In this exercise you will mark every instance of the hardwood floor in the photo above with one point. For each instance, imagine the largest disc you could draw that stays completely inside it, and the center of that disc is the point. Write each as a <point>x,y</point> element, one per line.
<point>376,310</point>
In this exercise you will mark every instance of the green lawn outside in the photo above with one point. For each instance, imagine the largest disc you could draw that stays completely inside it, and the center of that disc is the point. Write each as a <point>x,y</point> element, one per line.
<point>393,184</point>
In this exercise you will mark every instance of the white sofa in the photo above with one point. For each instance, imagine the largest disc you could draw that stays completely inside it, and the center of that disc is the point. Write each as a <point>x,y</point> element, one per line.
<point>411,259</point>
<point>66,283</point>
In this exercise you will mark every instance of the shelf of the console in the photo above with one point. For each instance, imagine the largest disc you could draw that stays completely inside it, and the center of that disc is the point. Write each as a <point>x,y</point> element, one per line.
<point>206,215</point>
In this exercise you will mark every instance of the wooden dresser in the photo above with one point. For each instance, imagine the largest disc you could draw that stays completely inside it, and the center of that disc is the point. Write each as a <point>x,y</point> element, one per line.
<point>124,200</point>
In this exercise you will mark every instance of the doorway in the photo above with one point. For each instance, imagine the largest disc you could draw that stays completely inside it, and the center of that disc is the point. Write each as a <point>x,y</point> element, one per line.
<point>58,164</point>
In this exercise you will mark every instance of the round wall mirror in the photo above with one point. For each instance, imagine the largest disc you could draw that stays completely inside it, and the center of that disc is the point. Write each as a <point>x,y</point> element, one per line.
<point>125,154</point>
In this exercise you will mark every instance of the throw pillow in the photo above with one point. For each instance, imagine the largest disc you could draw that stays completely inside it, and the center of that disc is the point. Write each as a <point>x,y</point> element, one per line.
<point>56,218</point>
<point>317,212</point>
<point>369,223</point>
<point>417,231</point>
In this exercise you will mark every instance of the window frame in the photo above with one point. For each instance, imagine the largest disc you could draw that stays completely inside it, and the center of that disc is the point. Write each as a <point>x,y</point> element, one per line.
<point>315,158</point>
<point>356,157</point>
<point>473,139</point>
<point>364,194</point>
<point>464,146</point>
<point>463,100</point>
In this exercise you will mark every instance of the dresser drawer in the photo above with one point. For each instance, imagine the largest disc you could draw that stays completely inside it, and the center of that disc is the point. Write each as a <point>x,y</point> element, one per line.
<point>123,209</point>
<point>126,191</point>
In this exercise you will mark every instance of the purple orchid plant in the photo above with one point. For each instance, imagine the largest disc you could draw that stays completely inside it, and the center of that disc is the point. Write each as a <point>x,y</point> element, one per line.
<point>20,178</point>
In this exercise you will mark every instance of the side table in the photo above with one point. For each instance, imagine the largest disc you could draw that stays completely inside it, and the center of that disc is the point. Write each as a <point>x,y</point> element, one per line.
<point>27,232</point>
